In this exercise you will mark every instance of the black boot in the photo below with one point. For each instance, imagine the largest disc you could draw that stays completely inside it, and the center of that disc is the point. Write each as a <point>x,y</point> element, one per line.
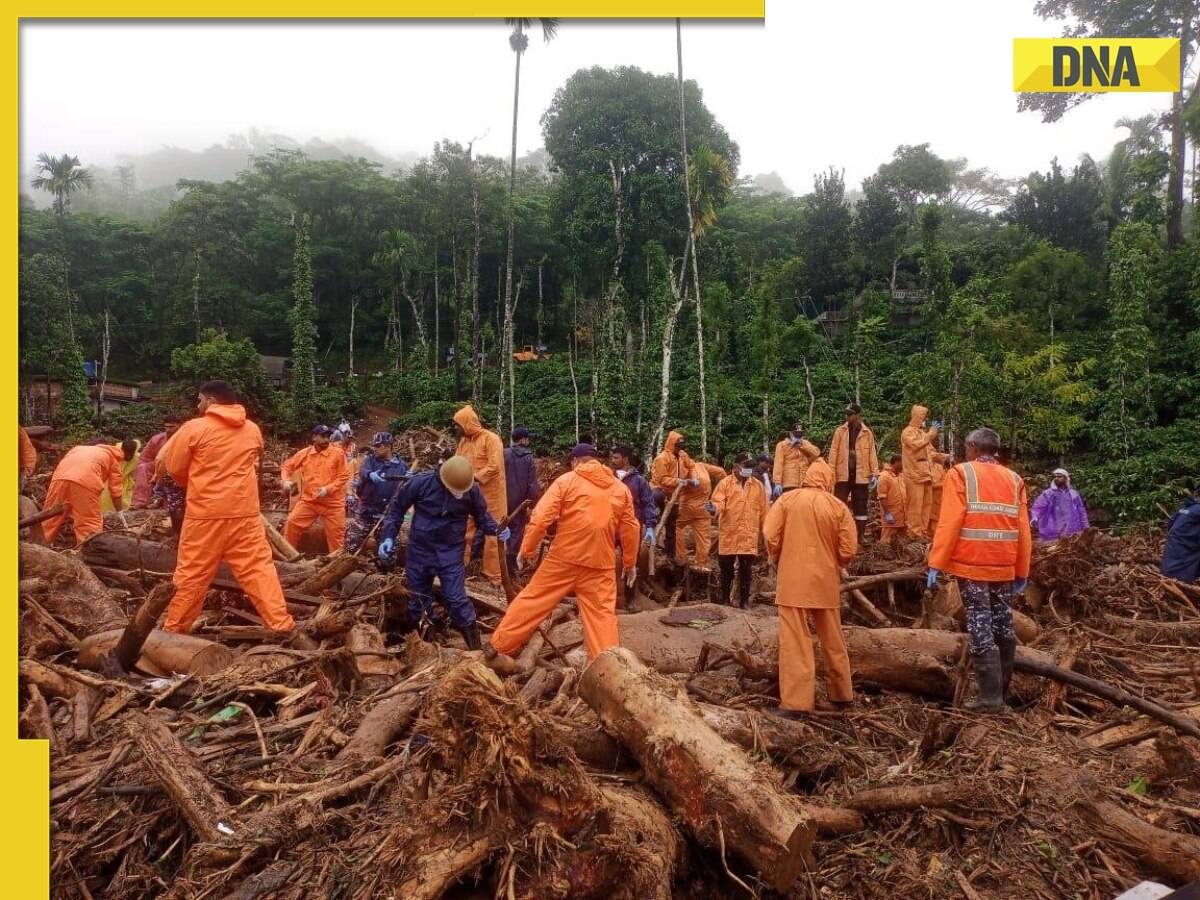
<point>990,681</point>
<point>1008,652</point>
<point>470,634</point>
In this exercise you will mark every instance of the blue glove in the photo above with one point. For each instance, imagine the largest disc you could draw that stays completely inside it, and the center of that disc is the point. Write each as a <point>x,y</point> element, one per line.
<point>874,482</point>
<point>931,578</point>
<point>650,535</point>
<point>710,508</point>
<point>694,482</point>
<point>1019,585</point>
<point>889,518</point>
<point>504,535</point>
<point>776,491</point>
<point>937,423</point>
<point>377,477</point>
<point>386,546</point>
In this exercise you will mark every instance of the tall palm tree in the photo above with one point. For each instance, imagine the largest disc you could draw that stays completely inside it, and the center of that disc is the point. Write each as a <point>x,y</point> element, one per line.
<point>61,176</point>
<point>519,42</point>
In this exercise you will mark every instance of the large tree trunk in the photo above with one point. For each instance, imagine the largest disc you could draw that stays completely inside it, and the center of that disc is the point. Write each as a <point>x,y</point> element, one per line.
<point>125,551</point>
<point>691,225</point>
<point>476,325</point>
<point>679,292</point>
<point>162,653</point>
<point>1163,853</point>
<point>725,800</point>
<point>75,597</point>
<point>1178,145</point>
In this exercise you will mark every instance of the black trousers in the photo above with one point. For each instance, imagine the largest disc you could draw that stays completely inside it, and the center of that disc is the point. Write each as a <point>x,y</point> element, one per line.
<point>745,567</point>
<point>855,496</point>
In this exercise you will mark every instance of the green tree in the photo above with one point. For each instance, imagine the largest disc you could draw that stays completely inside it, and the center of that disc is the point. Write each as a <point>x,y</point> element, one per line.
<point>304,328</point>
<point>61,176</point>
<point>48,345</point>
<point>1128,408</point>
<point>238,362</point>
<point>1067,211</point>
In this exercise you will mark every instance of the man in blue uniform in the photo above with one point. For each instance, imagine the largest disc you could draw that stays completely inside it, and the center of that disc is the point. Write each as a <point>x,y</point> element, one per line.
<point>378,478</point>
<point>521,483</point>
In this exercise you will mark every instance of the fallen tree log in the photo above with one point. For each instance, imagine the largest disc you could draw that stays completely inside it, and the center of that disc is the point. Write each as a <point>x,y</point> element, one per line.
<point>129,647</point>
<point>1165,853</point>
<point>279,543</point>
<point>31,519</point>
<point>916,796</point>
<point>126,552</point>
<point>724,799</point>
<point>75,596</point>
<point>338,567</point>
<point>163,652</point>
<point>1134,732</point>
<point>27,507</point>
<point>47,680</point>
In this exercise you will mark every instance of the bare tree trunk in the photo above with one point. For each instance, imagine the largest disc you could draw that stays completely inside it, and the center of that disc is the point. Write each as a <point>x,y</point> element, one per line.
<point>508,266</point>
<point>456,325</point>
<point>196,295</point>
<point>476,336</point>
<point>437,314</point>
<point>538,316</point>
<point>105,349</point>
<point>812,400</point>
<point>571,361</point>
<point>353,311</point>
<point>679,293</point>
<point>617,176</point>
<point>1178,145</point>
<point>417,317</point>
<point>687,193</point>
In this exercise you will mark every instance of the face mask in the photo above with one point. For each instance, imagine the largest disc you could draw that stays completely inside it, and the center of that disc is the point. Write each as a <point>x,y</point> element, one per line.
<point>621,474</point>
<point>745,473</point>
<point>794,440</point>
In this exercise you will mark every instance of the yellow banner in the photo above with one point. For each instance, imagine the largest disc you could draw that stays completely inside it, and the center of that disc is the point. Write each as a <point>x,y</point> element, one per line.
<point>406,9</point>
<point>1096,65</point>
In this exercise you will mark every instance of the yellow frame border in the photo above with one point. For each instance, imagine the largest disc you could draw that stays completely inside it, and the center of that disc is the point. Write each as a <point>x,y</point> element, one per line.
<point>25,829</point>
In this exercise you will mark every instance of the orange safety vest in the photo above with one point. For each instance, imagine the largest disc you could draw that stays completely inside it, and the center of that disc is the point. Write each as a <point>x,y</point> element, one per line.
<point>983,532</point>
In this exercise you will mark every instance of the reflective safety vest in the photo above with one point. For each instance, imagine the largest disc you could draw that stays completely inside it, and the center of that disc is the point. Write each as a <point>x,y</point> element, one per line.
<point>983,529</point>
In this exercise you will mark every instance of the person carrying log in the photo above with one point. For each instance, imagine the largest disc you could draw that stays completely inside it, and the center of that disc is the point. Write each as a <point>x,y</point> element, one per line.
<point>592,511</point>
<point>324,476</point>
<point>143,474</point>
<point>793,455</point>
<point>484,450</point>
<point>379,476</point>
<point>442,500</point>
<point>915,443</point>
<point>520,484</point>
<point>740,505</point>
<point>77,483</point>
<point>893,502</point>
<point>810,537</point>
<point>674,468</point>
<point>27,458</point>
<point>855,463</point>
<point>983,540</point>
<point>215,458</point>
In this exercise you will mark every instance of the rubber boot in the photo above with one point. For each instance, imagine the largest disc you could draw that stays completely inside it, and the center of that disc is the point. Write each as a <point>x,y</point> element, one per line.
<point>1008,652</point>
<point>470,634</point>
<point>861,527</point>
<point>990,680</point>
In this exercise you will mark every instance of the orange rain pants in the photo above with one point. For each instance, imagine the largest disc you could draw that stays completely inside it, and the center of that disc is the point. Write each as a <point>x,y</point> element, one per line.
<point>594,589</point>
<point>242,543</point>
<point>797,671</point>
<point>919,497</point>
<point>332,514</point>
<point>700,523</point>
<point>82,505</point>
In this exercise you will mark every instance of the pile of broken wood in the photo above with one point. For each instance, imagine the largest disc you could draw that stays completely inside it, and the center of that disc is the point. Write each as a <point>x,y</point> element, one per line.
<point>226,766</point>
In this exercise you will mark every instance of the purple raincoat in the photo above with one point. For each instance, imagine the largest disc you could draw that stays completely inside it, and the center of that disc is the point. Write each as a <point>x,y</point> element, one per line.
<point>1059,512</point>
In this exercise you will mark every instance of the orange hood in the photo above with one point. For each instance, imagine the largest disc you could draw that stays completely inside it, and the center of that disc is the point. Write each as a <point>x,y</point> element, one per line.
<point>231,414</point>
<point>919,414</point>
<point>673,439</point>
<point>597,473</point>
<point>468,421</point>
<point>819,475</point>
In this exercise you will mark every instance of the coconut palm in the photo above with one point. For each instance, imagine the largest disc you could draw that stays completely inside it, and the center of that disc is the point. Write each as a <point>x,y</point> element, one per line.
<point>61,176</point>
<point>519,42</point>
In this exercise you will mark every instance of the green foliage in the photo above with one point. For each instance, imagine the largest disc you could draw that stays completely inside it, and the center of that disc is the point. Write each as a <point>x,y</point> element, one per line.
<point>1131,255</point>
<point>238,362</point>
<point>134,420</point>
<point>303,317</point>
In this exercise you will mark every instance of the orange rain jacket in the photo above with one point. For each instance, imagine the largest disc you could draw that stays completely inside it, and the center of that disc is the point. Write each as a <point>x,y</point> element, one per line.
<point>215,459</point>
<point>866,462</point>
<point>892,497</point>
<point>983,529</point>
<point>741,509</point>
<point>810,535</point>
<point>319,469</point>
<point>93,467</point>
<point>26,453</point>
<point>485,450</point>
<point>667,470</point>
<point>592,507</point>
<point>915,447</point>
<point>791,462</point>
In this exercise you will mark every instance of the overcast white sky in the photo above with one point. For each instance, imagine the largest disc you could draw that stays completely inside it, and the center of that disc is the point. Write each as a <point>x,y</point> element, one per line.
<point>819,83</point>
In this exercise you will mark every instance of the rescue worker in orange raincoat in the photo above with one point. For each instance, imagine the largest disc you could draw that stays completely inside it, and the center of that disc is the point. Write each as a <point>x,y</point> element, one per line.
<point>916,443</point>
<point>740,505</point>
<point>77,483</point>
<point>983,540</point>
<point>938,464</point>
<point>855,463</point>
<point>485,451</point>
<point>674,468</point>
<point>26,458</point>
<point>215,459</point>
<point>592,510</point>
<point>893,502</point>
<point>324,475</point>
<point>793,455</point>
<point>810,536</point>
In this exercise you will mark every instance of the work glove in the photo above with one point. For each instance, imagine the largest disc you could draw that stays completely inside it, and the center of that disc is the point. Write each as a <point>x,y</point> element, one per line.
<point>504,534</point>
<point>776,491</point>
<point>889,518</point>
<point>522,563</point>
<point>631,577</point>
<point>649,535</point>
<point>1018,587</point>
<point>321,492</point>
<point>121,516</point>
<point>931,578</point>
<point>710,508</point>
<point>874,482</point>
<point>287,486</point>
<point>386,546</point>
<point>377,477</point>
<point>694,482</point>
<point>937,425</point>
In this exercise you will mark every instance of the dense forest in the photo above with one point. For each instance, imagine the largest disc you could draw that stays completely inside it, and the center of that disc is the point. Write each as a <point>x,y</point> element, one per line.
<point>1062,308</point>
